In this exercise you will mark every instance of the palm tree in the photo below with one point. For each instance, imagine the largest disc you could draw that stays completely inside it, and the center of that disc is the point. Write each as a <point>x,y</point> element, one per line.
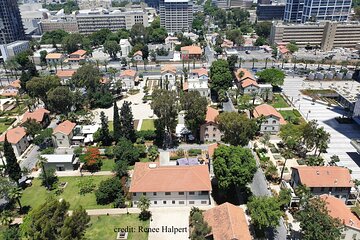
<point>42,161</point>
<point>15,194</point>
<point>266,62</point>
<point>267,93</point>
<point>253,63</point>
<point>6,218</point>
<point>113,72</point>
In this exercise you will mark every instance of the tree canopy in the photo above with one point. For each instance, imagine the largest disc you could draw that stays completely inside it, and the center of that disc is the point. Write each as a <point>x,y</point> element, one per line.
<point>220,75</point>
<point>271,75</point>
<point>264,211</point>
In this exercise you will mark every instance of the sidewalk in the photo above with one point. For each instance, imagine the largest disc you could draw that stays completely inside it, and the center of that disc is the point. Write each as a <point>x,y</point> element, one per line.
<point>74,173</point>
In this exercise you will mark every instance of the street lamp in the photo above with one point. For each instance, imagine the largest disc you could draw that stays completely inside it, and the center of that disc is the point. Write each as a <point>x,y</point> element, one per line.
<point>307,114</point>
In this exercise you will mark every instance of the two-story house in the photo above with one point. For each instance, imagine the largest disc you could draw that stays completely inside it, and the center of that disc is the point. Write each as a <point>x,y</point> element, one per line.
<point>198,80</point>
<point>12,89</point>
<point>40,115</point>
<point>242,74</point>
<point>18,140</point>
<point>138,56</point>
<point>77,56</point>
<point>191,52</point>
<point>65,75</point>
<point>171,185</point>
<point>128,78</point>
<point>54,59</point>
<point>332,180</point>
<point>63,134</point>
<point>249,86</point>
<point>168,77</point>
<point>272,119</point>
<point>209,131</point>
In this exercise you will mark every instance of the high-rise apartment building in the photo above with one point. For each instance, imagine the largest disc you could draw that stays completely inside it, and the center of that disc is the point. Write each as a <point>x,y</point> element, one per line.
<point>11,27</point>
<point>301,11</point>
<point>176,15</point>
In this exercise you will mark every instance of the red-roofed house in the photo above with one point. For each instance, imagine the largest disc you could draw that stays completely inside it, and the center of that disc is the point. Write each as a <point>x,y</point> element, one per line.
<point>138,56</point>
<point>337,209</point>
<point>209,131</point>
<point>40,115</point>
<point>63,133</point>
<point>332,180</point>
<point>128,78</point>
<point>198,81</point>
<point>168,76</point>
<point>191,52</point>
<point>77,56</point>
<point>272,118</point>
<point>227,222</point>
<point>249,86</point>
<point>17,138</point>
<point>12,89</point>
<point>171,185</point>
<point>65,75</point>
<point>284,52</point>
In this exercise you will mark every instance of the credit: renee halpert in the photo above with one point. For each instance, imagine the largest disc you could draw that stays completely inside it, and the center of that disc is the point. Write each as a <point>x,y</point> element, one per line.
<point>163,229</point>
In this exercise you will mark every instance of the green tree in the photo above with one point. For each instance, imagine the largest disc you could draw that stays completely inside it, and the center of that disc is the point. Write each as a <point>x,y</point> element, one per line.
<point>164,105</point>
<point>15,195</point>
<point>87,76</point>
<point>12,166</point>
<point>195,111</point>
<point>54,37</point>
<point>32,127</point>
<point>233,166</point>
<point>237,128</point>
<point>144,204</point>
<point>271,75</point>
<point>116,123</point>
<point>316,223</point>
<point>127,122</point>
<point>284,198</point>
<point>198,21</point>
<point>265,212</point>
<point>75,226</point>
<point>48,178</point>
<point>12,233</point>
<point>263,29</point>
<point>220,75</point>
<point>60,99</point>
<point>235,36</point>
<point>126,151</point>
<point>43,54</point>
<point>38,87</point>
<point>260,41</point>
<point>108,190</point>
<point>292,47</point>
<point>152,153</point>
<point>99,37</point>
<point>112,48</point>
<point>121,168</point>
<point>200,229</point>
<point>232,60</point>
<point>104,134</point>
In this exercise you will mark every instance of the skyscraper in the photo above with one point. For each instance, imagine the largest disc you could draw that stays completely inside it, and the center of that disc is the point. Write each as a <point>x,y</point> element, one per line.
<point>11,27</point>
<point>176,15</point>
<point>301,11</point>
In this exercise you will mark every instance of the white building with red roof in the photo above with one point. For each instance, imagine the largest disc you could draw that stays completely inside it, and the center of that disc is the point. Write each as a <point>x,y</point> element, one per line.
<point>272,118</point>
<point>17,138</point>
<point>77,56</point>
<point>63,133</point>
<point>65,75</point>
<point>168,76</point>
<point>40,115</point>
<point>209,131</point>
<point>128,78</point>
<point>171,185</point>
<point>138,56</point>
<point>332,180</point>
<point>198,81</point>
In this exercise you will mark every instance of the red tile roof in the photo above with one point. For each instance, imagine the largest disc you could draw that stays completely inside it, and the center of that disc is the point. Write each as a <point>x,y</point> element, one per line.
<point>128,73</point>
<point>150,177</point>
<point>267,110</point>
<point>138,53</point>
<point>246,75</point>
<point>227,222</point>
<point>200,71</point>
<point>65,127</point>
<point>211,114</point>
<point>65,73</point>
<point>196,50</point>
<point>14,135</point>
<point>338,209</point>
<point>16,83</point>
<point>37,115</point>
<point>324,176</point>
<point>248,82</point>
<point>54,56</point>
<point>79,52</point>
<point>168,68</point>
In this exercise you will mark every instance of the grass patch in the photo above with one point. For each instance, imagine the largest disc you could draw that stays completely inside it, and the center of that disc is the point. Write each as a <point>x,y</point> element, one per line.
<point>108,165</point>
<point>279,101</point>
<point>148,124</point>
<point>102,227</point>
<point>36,195</point>
<point>292,116</point>
<point>5,123</point>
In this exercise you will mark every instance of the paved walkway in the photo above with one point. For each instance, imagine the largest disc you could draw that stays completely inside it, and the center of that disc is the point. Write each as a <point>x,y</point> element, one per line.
<point>74,173</point>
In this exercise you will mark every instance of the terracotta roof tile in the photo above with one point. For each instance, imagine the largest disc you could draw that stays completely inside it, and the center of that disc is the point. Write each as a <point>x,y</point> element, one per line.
<point>168,68</point>
<point>16,84</point>
<point>169,178</point>
<point>338,209</point>
<point>211,114</point>
<point>37,115</point>
<point>138,53</point>
<point>227,222</point>
<point>14,135</point>
<point>267,110</point>
<point>200,71</point>
<point>248,82</point>
<point>65,127</point>
<point>246,75</point>
<point>324,176</point>
<point>79,52</point>
<point>65,73</point>
<point>54,56</point>
<point>128,73</point>
<point>191,50</point>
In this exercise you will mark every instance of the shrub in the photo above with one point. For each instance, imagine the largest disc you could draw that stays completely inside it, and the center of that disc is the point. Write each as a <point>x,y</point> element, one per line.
<point>109,190</point>
<point>85,185</point>
<point>49,177</point>
<point>145,215</point>
<point>43,135</point>
<point>49,150</point>
<point>194,152</point>
<point>109,152</point>
<point>148,135</point>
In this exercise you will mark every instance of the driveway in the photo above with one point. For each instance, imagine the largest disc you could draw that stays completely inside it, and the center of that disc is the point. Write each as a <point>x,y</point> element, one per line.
<point>170,218</point>
<point>341,134</point>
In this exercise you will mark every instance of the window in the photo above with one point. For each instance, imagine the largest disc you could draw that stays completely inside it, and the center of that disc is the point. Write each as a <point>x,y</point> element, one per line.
<point>191,193</point>
<point>181,193</point>
<point>154,194</point>
<point>164,202</point>
<point>322,189</point>
<point>274,121</point>
<point>191,202</point>
<point>173,202</point>
<point>203,202</point>
<point>203,193</point>
<point>181,202</point>
<point>214,135</point>
<point>167,193</point>
<point>134,194</point>
<point>155,202</point>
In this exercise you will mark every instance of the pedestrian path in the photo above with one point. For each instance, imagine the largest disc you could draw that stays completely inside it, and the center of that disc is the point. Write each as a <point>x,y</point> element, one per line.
<point>74,173</point>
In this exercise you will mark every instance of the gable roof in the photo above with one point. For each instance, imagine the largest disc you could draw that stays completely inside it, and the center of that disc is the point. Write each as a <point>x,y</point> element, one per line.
<point>150,177</point>
<point>246,74</point>
<point>283,49</point>
<point>267,110</point>
<point>54,56</point>
<point>16,84</point>
<point>248,82</point>
<point>338,209</point>
<point>128,72</point>
<point>65,73</point>
<point>211,114</point>
<point>79,52</point>
<point>227,222</point>
<point>200,71</point>
<point>138,53</point>
<point>14,135</point>
<point>37,115</point>
<point>324,176</point>
<point>191,50</point>
<point>168,68</point>
<point>65,127</point>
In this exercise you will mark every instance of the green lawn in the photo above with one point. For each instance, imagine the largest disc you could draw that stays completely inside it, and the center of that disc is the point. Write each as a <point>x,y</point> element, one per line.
<point>291,115</point>
<point>36,195</point>
<point>279,101</point>
<point>148,124</point>
<point>102,227</point>
<point>108,165</point>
